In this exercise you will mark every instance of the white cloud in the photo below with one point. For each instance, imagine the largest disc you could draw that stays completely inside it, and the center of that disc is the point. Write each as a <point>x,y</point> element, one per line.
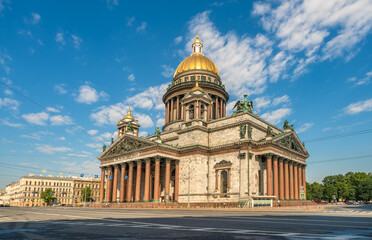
<point>131,77</point>
<point>112,3</point>
<point>60,88</point>
<point>130,21</point>
<point>304,127</point>
<point>8,92</point>
<point>177,40</point>
<point>36,118</point>
<point>278,65</point>
<point>241,61</point>
<point>365,80</point>
<point>62,138</point>
<point>9,124</point>
<point>59,120</point>
<point>142,27</point>
<point>94,145</point>
<point>160,122</point>
<point>53,110</point>
<point>358,107</point>
<point>89,95</point>
<point>276,116</point>
<point>34,19</point>
<point>45,148</point>
<point>9,103</point>
<point>229,107</point>
<point>109,114</point>
<point>261,102</point>
<point>143,134</point>
<point>318,29</point>
<point>168,71</point>
<point>36,135</point>
<point>280,100</point>
<point>60,38</point>
<point>148,99</point>
<point>265,101</point>
<point>92,132</point>
<point>76,40</point>
<point>144,120</point>
<point>79,155</point>
<point>260,8</point>
<point>4,60</point>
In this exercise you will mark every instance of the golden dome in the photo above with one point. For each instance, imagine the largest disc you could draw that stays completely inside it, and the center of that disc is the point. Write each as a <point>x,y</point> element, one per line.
<point>129,115</point>
<point>196,61</point>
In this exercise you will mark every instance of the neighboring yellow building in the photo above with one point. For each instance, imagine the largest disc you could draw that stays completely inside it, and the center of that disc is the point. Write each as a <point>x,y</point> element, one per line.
<point>27,191</point>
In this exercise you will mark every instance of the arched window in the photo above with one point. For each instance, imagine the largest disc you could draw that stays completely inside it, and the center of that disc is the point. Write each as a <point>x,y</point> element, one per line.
<point>223,182</point>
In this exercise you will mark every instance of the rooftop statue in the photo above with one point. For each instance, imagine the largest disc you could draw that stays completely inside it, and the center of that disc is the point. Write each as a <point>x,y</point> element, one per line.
<point>243,106</point>
<point>157,133</point>
<point>130,127</point>
<point>287,126</point>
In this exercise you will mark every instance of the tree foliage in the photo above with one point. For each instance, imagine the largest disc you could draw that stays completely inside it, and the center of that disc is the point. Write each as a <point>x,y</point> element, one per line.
<point>351,186</point>
<point>48,196</point>
<point>86,194</point>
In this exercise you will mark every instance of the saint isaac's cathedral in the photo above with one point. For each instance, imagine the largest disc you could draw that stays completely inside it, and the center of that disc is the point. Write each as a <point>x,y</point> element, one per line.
<point>202,155</point>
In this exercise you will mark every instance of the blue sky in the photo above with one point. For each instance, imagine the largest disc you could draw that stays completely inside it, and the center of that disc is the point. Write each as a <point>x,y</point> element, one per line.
<point>73,67</point>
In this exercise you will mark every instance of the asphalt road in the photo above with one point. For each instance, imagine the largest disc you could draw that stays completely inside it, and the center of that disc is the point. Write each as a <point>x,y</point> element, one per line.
<point>341,222</point>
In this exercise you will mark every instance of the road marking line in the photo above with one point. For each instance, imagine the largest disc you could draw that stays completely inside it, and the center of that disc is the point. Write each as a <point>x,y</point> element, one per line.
<point>297,223</point>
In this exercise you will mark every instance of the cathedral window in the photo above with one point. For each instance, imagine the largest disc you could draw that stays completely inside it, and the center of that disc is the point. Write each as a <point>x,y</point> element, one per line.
<point>224,182</point>
<point>209,79</point>
<point>203,78</point>
<point>192,78</point>
<point>186,79</point>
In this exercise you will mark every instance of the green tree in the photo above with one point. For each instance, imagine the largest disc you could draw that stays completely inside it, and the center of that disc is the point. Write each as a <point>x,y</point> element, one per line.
<point>365,190</point>
<point>86,194</point>
<point>48,196</point>
<point>314,190</point>
<point>333,187</point>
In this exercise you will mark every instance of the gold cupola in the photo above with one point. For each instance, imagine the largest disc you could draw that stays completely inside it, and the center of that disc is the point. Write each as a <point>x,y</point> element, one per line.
<point>129,115</point>
<point>196,61</point>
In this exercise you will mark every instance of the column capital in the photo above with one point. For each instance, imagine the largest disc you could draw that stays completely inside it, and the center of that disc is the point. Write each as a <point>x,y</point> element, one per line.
<point>275,157</point>
<point>157,158</point>
<point>168,160</point>
<point>176,161</point>
<point>122,164</point>
<point>148,160</point>
<point>281,159</point>
<point>139,162</point>
<point>116,165</point>
<point>268,155</point>
<point>130,164</point>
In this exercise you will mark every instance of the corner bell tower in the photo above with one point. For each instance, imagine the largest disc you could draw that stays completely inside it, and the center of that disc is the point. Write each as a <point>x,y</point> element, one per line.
<point>128,125</point>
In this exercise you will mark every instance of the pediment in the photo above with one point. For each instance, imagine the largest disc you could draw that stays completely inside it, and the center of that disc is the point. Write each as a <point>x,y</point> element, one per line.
<point>124,145</point>
<point>291,141</point>
<point>196,94</point>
